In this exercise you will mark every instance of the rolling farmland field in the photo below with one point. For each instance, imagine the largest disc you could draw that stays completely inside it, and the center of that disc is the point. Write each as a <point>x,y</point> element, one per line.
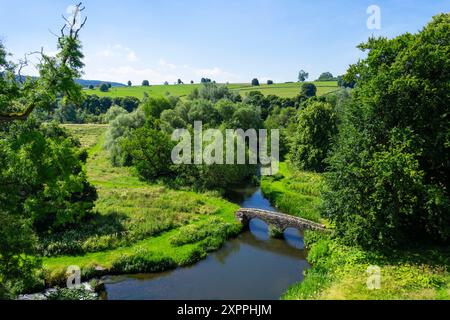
<point>286,90</point>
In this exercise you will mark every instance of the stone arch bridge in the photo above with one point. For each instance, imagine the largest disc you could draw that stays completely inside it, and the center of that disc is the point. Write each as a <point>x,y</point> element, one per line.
<point>279,220</point>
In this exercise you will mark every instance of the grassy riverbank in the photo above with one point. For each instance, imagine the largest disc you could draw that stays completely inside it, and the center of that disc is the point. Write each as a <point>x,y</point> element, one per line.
<point>294,192</point>
<point>339,271</point>
<point>137,227</point>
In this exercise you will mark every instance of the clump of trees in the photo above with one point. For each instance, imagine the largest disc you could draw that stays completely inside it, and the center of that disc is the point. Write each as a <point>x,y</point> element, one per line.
<point>316,127</point>
<point>326,76</point>
<point>145,83</point>
<point>303,75</point>
<point>143,138</point>
<point>93,109</point>
<point>308,90</point>
<point>103,87</point>
<point>390,170</point>
<point>255,82</point>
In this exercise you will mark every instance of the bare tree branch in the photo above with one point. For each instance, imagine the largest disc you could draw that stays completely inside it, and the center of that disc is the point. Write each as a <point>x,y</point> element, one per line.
<point>73,34</point>
<point>22,63</point>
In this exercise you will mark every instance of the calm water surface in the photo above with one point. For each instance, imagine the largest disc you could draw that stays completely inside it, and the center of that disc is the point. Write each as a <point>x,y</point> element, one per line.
<point>251,266</point>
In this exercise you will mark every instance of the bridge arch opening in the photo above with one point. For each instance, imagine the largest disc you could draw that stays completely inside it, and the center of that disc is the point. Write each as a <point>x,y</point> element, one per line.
<point>261,230</point>
<point>294,237</point>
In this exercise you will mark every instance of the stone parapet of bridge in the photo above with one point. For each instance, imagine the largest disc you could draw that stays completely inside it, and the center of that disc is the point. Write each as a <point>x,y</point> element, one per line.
<point>280,220</point>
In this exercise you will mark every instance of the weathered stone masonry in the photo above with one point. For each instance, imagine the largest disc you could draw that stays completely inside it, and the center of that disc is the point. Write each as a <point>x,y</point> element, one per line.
<point>279,220</point>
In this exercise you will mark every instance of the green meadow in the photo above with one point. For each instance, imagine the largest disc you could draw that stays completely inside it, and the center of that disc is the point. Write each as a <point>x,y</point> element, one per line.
<point>138,227</point>
<point>284,90</point>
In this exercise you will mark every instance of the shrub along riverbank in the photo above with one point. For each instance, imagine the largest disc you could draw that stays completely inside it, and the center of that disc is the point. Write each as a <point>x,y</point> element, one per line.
<point>137,227</point>
<point>339,271</point>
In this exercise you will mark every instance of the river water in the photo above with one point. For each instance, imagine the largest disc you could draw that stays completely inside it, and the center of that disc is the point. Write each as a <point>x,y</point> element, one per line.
<point>251,266</point>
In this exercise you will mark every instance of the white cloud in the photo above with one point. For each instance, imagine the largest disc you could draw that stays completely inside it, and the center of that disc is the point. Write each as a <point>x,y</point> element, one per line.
<point>118,63</point>
<point>163,63</point>
<point>131,56</point>
<point>124,73</point>
<point>117,51</point>
<point>218,74</point>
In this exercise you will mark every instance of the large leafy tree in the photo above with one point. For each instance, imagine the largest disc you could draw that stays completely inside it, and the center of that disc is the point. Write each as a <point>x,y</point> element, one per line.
<point>316,127</point>
<point>302,75</point>
<point>42,184</point>
<point>391,167</point>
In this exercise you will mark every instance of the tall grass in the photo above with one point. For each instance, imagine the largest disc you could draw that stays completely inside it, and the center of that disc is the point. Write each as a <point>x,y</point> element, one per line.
<point>294,192</point>
<point>137,227</point>
<point>340,272</point>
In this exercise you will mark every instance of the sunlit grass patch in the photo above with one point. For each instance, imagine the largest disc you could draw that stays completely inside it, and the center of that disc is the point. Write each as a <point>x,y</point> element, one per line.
<point>340,272</point>
<point>294,192</point>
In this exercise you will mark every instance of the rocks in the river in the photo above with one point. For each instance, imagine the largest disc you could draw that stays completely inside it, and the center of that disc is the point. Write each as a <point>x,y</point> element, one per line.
<point>86,291</point>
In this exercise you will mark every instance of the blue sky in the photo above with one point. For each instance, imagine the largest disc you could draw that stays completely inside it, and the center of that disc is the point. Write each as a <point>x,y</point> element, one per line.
<point>227,40</point>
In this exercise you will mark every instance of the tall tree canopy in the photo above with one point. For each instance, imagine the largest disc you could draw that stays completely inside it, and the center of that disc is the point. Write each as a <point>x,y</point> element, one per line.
<point>390,172</point>
<point>43,186</point>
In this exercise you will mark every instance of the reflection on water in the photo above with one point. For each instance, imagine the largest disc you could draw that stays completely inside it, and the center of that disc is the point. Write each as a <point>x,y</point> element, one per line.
<point>250,197</point>
<point>251,266</point>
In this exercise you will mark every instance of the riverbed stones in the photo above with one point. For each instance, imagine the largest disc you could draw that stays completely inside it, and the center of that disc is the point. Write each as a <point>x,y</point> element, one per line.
<point>45,294</point>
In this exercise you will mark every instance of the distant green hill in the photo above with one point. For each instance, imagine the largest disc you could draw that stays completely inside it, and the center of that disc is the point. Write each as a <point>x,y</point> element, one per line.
<point>82,82</point>
<point>287,90</point>
<point>96,83</point>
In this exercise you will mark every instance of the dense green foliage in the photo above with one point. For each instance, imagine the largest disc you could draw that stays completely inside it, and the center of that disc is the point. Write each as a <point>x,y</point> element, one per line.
<point>103,87</point>
<point>143,138</point>
<point>150,149</point>
<point>326,76</point>
<point>93,109</point>
<point>315,130</point>
<point>52,195</point>
<point>390,172</point>
<point>43,187</point>
<point>308,90</point>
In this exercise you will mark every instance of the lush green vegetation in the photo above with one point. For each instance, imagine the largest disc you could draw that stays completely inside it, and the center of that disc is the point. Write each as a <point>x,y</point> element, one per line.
<point>43,187</point>
<point>316,126</point>
<point>339,272</point>
<point>284,90</point>
<point>109,199</point>
<point>386,185</point>
<point>142,139</point>
<point>295,192</point>
<point>390,167</point>
<point>138,227</point>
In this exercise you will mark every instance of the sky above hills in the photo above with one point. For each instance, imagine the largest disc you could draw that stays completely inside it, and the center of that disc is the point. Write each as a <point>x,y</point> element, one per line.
<point>228,41</point>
